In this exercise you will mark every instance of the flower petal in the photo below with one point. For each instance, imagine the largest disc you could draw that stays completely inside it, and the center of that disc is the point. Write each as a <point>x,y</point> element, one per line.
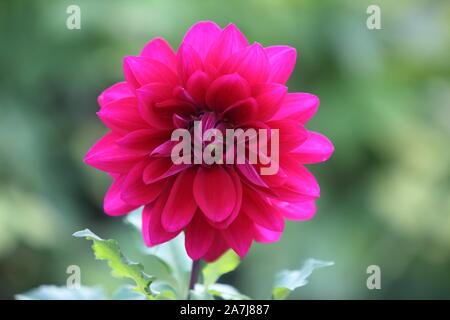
<point>152,230</point>
<point>316,148</point>
<point>161,168</point>
<point>297,211</point>
<point>113,204</point>
<point>161,51</point>
<point>106,155</point>
<point>269,97</point>
<point>251,63</point>
<point>180,206</point>
<point>214,192</point>
<point>218,248</point>
<point>239,235</point>
<point>201,36</point>
<point>135,191</point>
<point>237,208</point>
<point>118,91</point>
<point>282,62</point>
<point>291,133</point>
<point>140,71</point>
<point>261,211</point>
<point>199,236</point>
<point>231,40</point>
<point>298,106</point>
<point>264,235</point>
<point>144,139</point>
<point>227,90</point>
<point>189,61</point>
<point>122,116</point>
<point>197,86</point>
<point>241,111</point>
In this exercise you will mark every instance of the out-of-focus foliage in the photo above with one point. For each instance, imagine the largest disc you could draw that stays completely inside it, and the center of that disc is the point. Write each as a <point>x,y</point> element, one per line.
<point>385,104</point>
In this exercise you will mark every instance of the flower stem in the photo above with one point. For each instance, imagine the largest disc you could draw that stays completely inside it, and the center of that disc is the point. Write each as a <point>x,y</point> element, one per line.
<point>194,274</point>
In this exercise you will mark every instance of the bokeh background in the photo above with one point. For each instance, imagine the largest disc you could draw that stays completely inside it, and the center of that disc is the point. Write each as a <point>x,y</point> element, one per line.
<point>385,104</point>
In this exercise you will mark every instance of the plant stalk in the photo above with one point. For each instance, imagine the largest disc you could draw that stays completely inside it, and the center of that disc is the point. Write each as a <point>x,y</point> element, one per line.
<point>194,273</point>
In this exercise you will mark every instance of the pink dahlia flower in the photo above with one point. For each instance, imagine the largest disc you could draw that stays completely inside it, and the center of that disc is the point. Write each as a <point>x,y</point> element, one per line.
<point>216,77</point>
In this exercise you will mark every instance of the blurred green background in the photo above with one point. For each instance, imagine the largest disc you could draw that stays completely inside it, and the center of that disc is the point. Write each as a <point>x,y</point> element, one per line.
<point>385,104</point>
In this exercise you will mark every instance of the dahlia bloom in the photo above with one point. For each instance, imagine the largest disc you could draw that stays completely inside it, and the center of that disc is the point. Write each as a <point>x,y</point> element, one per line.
<point>216,77</point>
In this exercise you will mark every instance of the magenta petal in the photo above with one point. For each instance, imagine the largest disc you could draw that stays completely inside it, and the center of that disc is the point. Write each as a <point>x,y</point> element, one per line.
<point>262,212</point>
<point>237,208</point>
<point>161,51</point>
<point>231,40</point>
<point>250,173</point>
<point>122,116</point>
<point>144,139</point>
<point>282,61</point>
<point>148,96</point>
<point>152,230</point>
<point>241,111</point>
<point>199,236</point>
<point>269,97</point>
<point>180,206</point>
<point>106,155</point>
<point>201,36</point>
<point>300,187</point>
<point>118,91</point>
<point>239,235</point>
<point>251,63</point>
<point>140,71</point>
<point>291,133</point>
<point>297,211</point>
<point>218,247</point>
<point>226,90</point>
<point>214,192</point>
<point>189,61</point>
<point>113,204</point>
<point>298,106</point>
<point>316,148</point>
<point>135,191</point>
<point>197,85</point>
<point>264,235</point>
<point>160,168</point>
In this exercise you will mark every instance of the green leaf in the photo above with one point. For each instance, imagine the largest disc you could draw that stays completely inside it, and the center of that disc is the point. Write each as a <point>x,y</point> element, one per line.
<point>163,290</point>
<point>287,281</point>
<point>226,292</point>
<point>50,292</point>
<point>214,270</point>
<point>120,266</point>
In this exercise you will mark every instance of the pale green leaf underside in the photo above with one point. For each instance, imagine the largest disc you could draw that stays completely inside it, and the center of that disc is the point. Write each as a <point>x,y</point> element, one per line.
<point>287,281</point>
<point>51,292</point>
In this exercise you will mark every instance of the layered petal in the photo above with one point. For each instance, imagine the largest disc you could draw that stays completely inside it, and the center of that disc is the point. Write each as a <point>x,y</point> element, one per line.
<point>298,106</point>
<point>152,229</point>
<point>180,206</point>
<point>159,50</point>
<point>113,204</point>
<point>282,61</point>
<point>227,90</point>
<point>316,148</point>
<point>214,192</point>
<point>107,156</point>
<point>202,36</point>
<point>118,91</point>
<point>199,236</point>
